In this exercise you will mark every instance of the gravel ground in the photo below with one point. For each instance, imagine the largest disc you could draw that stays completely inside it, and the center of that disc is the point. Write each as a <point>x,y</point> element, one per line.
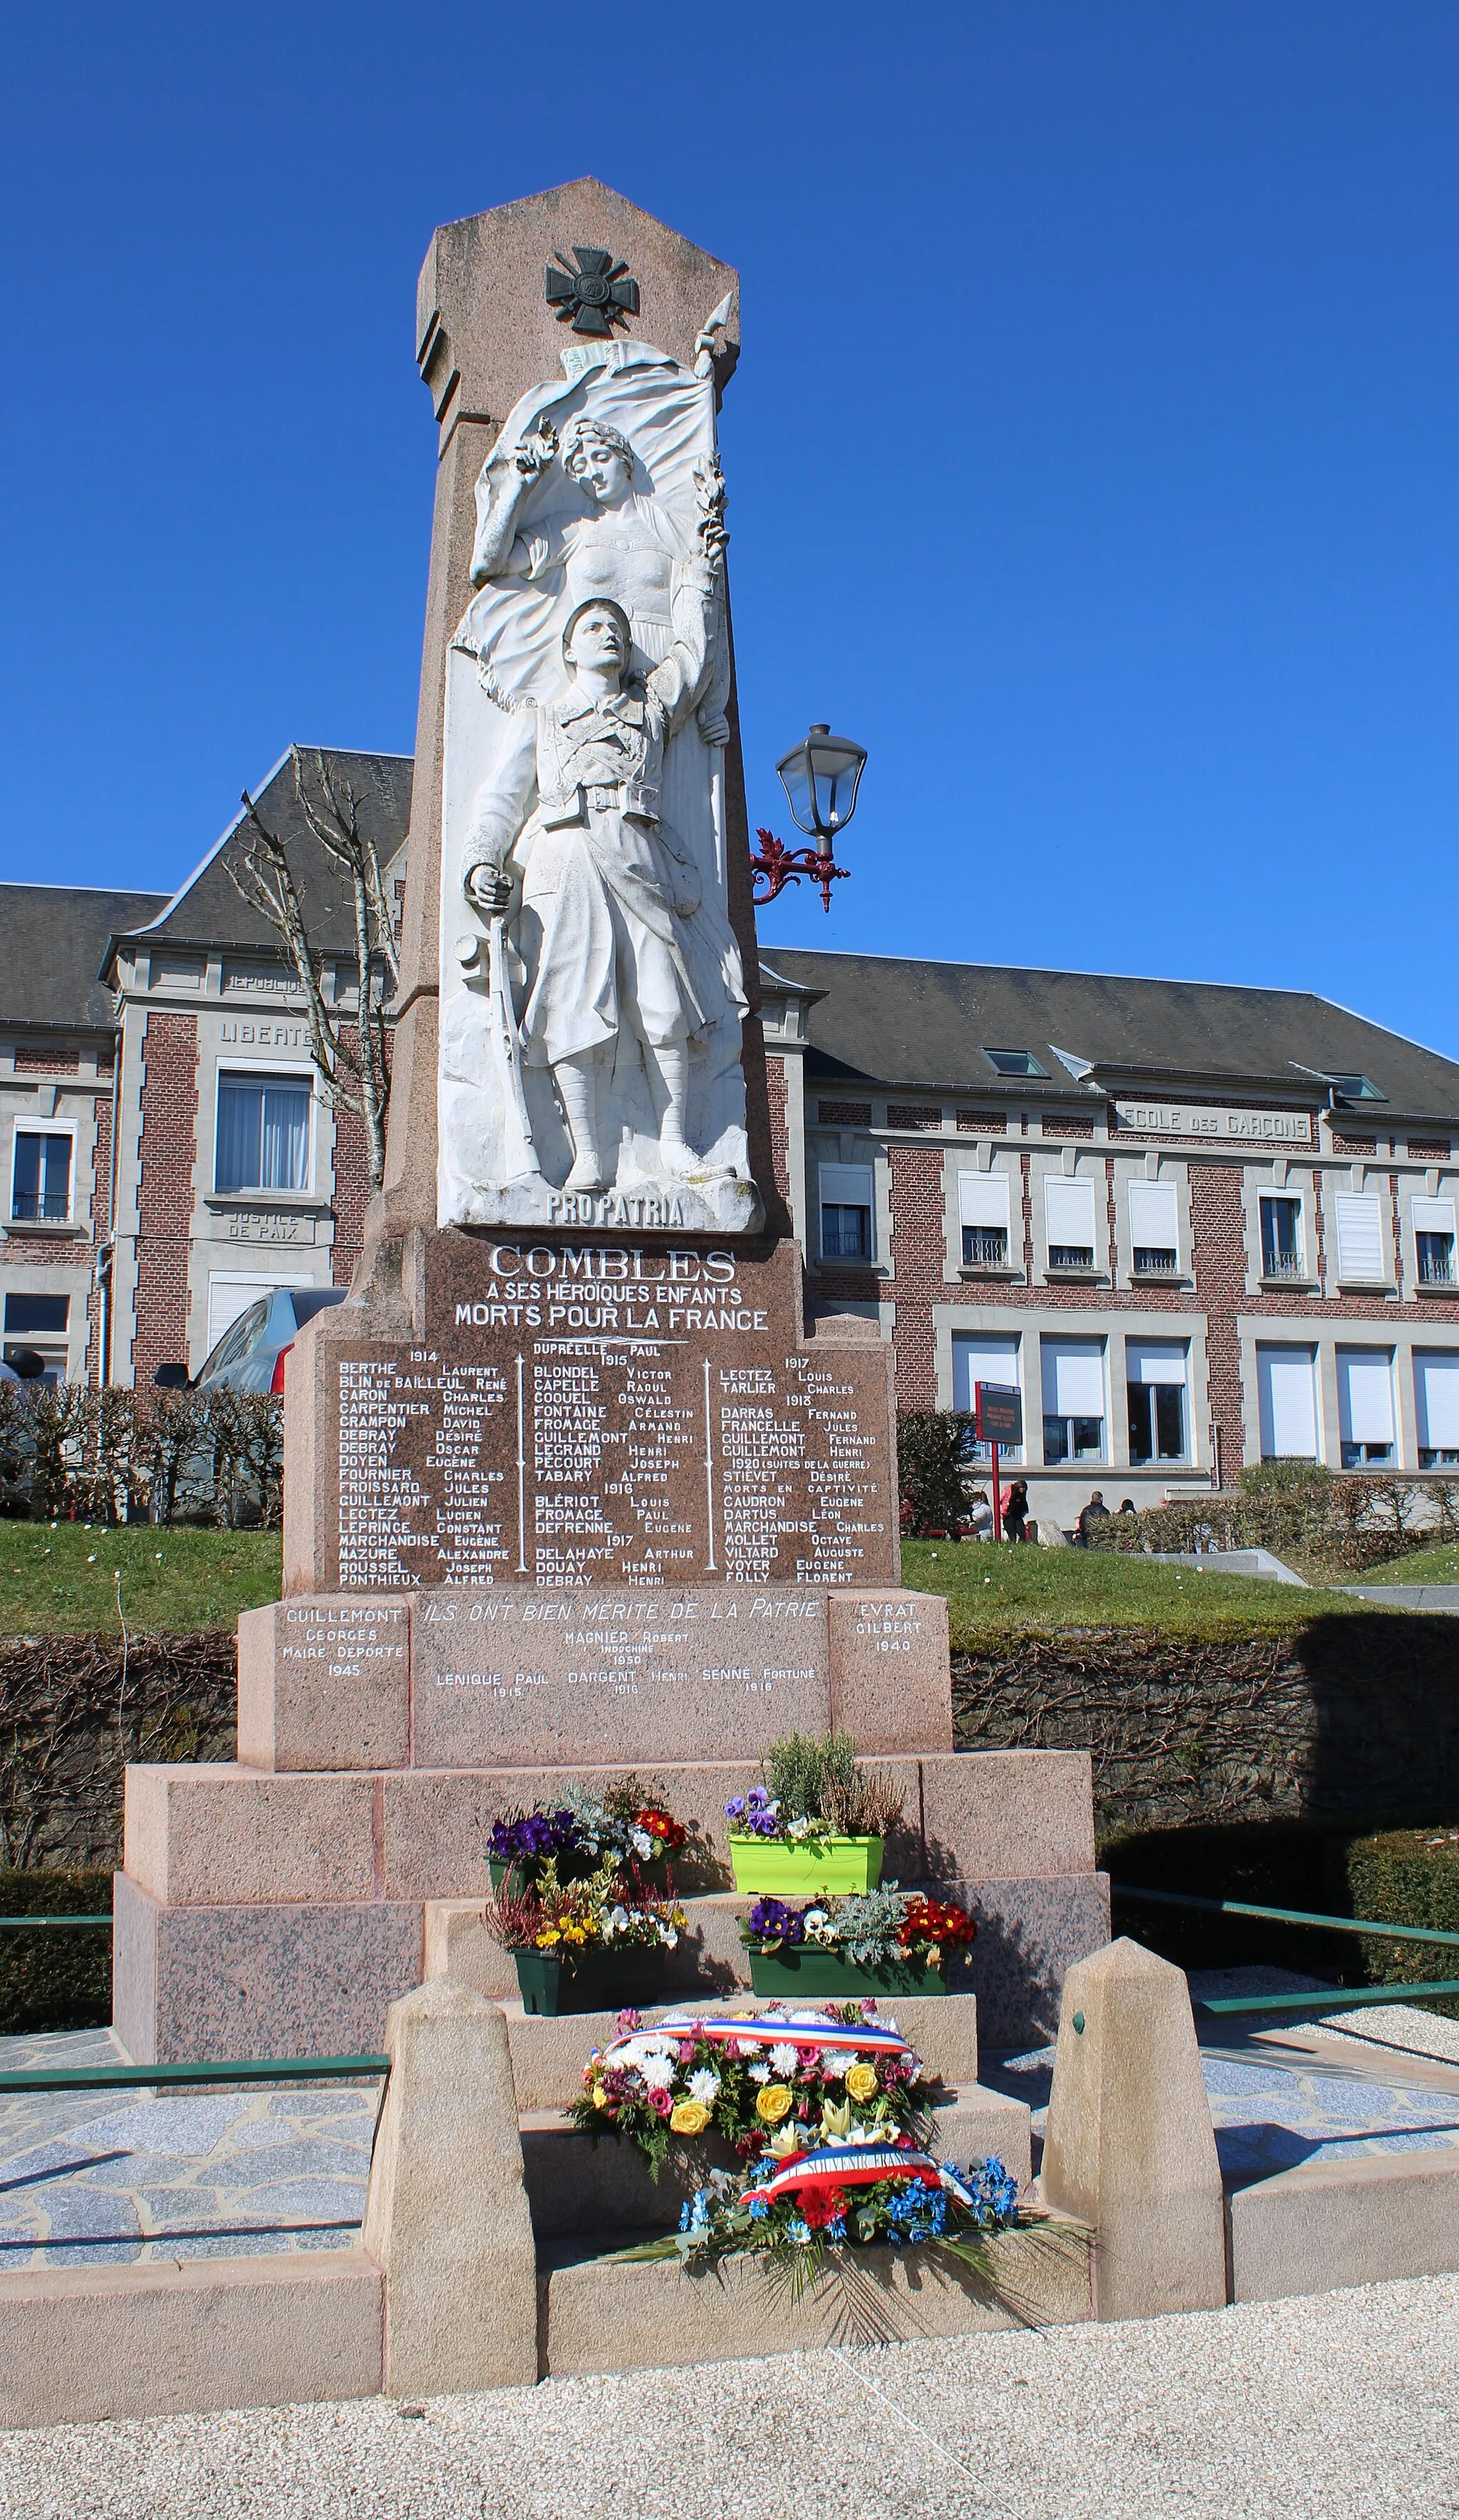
<point>1330,2408</point>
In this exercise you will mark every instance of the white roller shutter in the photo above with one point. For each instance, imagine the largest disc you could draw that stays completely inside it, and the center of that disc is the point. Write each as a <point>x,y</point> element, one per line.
<point>1359,1238</point>
<point>1435,1381</point>
<point>982,1202</point>
<point>845,1185</point>
<point>1434,1216</point>
<point>982,1356</point>
<point>1365,1395</point>
<point>1153,1216</point>
<point>1287,1392</point>
<point>1074,1377</point>
<point>1155,1359</point>
<point>1069,1213</point>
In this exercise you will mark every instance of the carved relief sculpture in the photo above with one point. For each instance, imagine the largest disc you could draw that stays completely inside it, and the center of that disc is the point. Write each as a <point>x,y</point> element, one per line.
<point>592,989</point>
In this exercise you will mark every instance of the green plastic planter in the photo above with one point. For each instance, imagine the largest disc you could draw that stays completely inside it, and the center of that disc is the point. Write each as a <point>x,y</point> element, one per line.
<point>592,1981</point>
<point>803,1968</point>
<point>818,1869</point>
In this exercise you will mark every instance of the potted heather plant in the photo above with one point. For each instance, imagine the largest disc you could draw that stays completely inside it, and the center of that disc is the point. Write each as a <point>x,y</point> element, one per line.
<point>586,1946</point>
<point>884,1941</point>
<point>815,1824</point>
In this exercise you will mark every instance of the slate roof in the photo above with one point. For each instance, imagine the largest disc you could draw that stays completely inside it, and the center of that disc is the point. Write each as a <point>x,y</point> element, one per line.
<point>54,938</point>
<point>207,911</point>
<point>925,1024</point>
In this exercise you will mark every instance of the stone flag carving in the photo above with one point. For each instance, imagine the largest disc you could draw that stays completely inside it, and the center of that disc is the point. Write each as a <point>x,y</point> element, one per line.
<point>591,986</point>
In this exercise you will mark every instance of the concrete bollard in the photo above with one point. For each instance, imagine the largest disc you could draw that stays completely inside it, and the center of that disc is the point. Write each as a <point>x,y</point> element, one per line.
<point>447,2216</point>
<point>1129,2145</point>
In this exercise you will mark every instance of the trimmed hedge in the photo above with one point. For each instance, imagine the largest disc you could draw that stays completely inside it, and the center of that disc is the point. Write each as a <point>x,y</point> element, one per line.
<point>57,1978</point>
<point>1407,1877</point>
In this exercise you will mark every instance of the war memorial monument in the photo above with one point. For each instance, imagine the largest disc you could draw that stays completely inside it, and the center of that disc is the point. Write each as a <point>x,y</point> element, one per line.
<point>569,1485</point>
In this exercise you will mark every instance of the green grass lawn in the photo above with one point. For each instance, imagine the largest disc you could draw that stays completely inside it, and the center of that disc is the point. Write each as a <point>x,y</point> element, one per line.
<point>1436,1565</point>
<point>64,1578</point>
<point>996,1591</point>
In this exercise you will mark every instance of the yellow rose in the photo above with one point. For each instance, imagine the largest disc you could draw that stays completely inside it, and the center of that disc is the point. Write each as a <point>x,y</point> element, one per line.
<point>600,2096</point>
<point>690,2117</point>
<point>861,2081</point>
<point>773,2103</point>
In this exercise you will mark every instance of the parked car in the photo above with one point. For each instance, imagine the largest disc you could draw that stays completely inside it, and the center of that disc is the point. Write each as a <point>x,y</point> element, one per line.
<point>249,1354</point>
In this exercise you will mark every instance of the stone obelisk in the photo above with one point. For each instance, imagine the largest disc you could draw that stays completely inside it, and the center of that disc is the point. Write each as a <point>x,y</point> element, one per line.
<point>566,1484</point>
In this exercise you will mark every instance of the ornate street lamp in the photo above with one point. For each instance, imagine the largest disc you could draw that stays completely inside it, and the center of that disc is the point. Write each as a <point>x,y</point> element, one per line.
<point>820,778</point>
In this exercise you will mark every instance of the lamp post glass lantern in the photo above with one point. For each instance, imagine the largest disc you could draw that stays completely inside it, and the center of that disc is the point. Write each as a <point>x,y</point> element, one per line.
<point>820,778</point>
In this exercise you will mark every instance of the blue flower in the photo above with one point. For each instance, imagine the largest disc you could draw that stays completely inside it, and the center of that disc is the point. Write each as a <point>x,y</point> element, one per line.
<point>758,2208</point>
<point>734,1809</point>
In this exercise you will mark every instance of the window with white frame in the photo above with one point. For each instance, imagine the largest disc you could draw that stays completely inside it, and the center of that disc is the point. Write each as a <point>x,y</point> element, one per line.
<point>1153,1229</point>
<point>1284,1249</point>
<point>1365,1406</point>
<point>41,1323</point>
<point>1434,1241</point>
<point>40,1177</point>
<point>262,1132</point>
<point>982,1213</point>
<point>1074,1399</point>
<point>1287,1400</point>
<point>990,1357</point>
<point>1436,1392</point>
<point>1358,1216</point>
<point>1155,1378</point>
<point>846,1212</point>
<point>1069,1221</point>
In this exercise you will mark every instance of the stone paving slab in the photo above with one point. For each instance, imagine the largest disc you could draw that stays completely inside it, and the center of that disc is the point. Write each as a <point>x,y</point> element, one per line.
<point>123,2177</point>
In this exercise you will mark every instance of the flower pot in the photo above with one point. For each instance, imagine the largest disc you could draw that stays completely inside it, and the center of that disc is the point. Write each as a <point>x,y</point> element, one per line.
<point>801,1969</point>
<point>594,1980</point>
<point>815,1868</point>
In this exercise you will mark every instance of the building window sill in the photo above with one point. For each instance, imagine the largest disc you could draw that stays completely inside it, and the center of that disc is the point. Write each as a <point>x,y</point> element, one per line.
<point>1437,1286</point>
<point>58,1228</point>
<point>1090,1277</point>
<point>300,1202</point>
<point>1005,1271</point>
<point>1284,1285</point>
<point>1367,1286</point>
<point>1160,1278</point>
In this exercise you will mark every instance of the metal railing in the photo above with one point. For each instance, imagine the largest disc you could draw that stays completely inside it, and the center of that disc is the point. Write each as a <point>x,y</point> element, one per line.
<point>1336,1999</point>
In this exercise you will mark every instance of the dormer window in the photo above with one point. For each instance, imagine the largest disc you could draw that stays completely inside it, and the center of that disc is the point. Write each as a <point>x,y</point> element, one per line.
<point>1014,1062</point>
<point>1356,1089</point>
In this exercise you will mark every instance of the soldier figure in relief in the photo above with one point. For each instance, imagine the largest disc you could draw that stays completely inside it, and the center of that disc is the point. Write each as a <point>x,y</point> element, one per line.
<point>571,813</point>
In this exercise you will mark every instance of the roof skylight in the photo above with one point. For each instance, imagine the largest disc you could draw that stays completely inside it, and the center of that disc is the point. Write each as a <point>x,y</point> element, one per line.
<point>1014,1062</point>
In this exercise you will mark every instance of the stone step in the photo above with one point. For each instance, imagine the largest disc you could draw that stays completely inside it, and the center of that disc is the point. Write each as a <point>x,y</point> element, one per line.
<point>548,2055</point>
<point>598,2314</point>
<point>578,2183</point>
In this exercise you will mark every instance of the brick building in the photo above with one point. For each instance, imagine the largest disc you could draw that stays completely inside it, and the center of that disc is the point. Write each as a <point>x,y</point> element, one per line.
<point>1195,1226</point>
<point>164,1147</point>
<point>1192,1225</point>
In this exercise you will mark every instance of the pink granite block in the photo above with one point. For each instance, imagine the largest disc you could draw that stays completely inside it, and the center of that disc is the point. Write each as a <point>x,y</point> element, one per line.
<point>218,1833</point>
<point>324,1684</point>
<point>198,1985</point>
<point>991,1814</point>
<point>890,1676</point>
<point>515,1677</point>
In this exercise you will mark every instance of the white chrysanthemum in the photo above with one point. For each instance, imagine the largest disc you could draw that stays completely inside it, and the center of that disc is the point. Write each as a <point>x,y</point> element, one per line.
<point>643,1844</point>
<point>784,2057</point>
<point>759,2073</point>
<point>704,2086</point>
<point>833,2067</point>
<point>658,2071</point>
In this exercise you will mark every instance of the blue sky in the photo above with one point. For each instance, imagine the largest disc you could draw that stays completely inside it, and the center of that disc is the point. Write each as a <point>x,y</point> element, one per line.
<point>1092,454</point>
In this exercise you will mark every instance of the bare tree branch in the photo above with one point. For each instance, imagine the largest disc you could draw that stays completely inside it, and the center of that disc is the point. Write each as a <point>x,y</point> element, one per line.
<point>355,1073</point>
